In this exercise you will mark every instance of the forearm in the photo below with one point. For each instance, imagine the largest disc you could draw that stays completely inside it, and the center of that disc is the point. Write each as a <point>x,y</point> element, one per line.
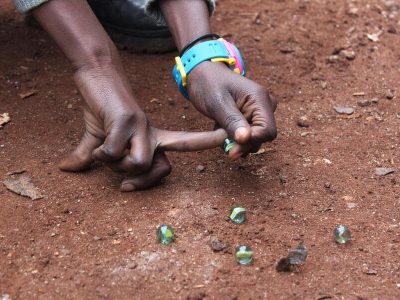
<point>186,20</point>
<point>76,30</point>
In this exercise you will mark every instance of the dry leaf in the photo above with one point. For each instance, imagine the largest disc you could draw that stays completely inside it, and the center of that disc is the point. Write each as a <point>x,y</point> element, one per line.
<point>28,94</point>
<point>4,119</point>
<point>260,151</point>
<point>155,100</point>
<point>20,171</point>
<point>23,186</point>
<point>384,171</point>
<point>374,36</point>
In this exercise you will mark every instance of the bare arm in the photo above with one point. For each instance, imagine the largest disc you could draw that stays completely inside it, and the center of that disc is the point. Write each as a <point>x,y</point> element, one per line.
<point>240,106</point>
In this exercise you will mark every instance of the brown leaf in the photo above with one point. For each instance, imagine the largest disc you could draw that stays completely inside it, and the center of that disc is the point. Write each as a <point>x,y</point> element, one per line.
<point>23,186</point>
<point>28,94</point>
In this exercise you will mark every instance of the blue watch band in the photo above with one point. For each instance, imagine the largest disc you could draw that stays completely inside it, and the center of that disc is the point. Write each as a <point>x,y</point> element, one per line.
<point>199,53</point>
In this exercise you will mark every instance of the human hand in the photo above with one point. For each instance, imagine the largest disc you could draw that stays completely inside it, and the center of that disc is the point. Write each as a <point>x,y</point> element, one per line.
<point>114,123</point>
<point>239,105</point>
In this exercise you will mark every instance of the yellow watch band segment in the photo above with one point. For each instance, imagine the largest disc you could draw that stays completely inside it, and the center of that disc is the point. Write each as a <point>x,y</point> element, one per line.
<point>230,60</point>
<point>181,69</point>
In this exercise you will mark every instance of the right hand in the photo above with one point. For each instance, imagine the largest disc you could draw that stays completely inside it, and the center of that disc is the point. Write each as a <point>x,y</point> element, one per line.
<point>239,105</point>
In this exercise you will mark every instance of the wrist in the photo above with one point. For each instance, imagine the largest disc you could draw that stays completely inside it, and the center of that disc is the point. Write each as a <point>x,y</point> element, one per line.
<point>96,58</point>
<point>197,40</point>
<point>106,85</point>
<point>209,51</point>
<point>186,20</point>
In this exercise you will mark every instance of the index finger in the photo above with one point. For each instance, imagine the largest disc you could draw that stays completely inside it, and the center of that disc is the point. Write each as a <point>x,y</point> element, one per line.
<point>183,141</point>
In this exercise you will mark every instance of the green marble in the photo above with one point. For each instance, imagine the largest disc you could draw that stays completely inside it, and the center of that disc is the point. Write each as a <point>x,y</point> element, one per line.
<point>228,145</point>
<point>238,215</point>
<point>244,255</point>
<point>165,234</point>
<point>342,234</point>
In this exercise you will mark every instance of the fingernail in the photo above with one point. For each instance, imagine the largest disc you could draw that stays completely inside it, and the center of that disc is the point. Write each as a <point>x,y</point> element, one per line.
<point>127,187</point>
<point>242,134</point>
<point>235,156</point>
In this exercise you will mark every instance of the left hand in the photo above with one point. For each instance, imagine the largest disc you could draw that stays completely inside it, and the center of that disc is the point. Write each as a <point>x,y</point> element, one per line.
<point>239,105</point>
<point>160,141</point>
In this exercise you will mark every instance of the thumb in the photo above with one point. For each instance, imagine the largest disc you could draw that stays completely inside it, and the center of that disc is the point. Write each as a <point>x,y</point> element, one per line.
<point>229,117</point>
<point>81,158</point>
<point>114,144</point>
<point>183,141</point>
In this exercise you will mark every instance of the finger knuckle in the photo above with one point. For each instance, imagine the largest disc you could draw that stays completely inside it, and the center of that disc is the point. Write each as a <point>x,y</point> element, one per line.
<point>139,164</point>
<point>269,134</point>
<point>139,117</point>
<point>231,121</point>
<point>261,92</point>
<point>109,152</point>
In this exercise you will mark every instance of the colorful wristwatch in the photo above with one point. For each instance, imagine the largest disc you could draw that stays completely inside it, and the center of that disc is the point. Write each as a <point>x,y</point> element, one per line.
<point>215,51</point>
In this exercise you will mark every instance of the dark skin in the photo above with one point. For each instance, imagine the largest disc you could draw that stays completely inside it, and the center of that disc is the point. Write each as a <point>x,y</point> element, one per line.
<point>117,131</point>
<point>239,105</point>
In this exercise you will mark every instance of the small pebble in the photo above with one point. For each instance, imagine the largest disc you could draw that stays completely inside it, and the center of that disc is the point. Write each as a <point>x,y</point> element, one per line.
<point>352,11</point>
<point>344,110</point>
<point>364,103</point>
<point>351,205</point>
<point>374,100</point>
<point>244,255</point>
<point>389,95</point>
<point>371,272</point>
<point>216,245</point>
<point>303,122</point>
<point>333,58</point>
<point>348,54</point>
<point>200,168</point>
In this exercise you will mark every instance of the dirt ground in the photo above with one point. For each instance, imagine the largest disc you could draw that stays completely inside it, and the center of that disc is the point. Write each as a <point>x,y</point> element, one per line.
<point>87,240</point>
